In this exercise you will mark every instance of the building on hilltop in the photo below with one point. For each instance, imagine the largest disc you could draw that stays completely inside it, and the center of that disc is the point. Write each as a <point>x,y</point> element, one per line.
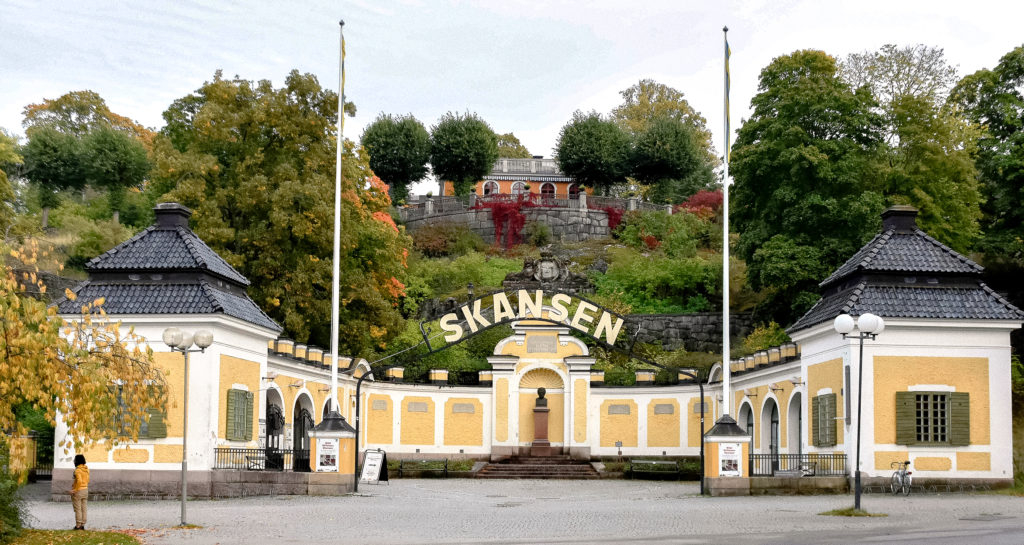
<point>512,176</point>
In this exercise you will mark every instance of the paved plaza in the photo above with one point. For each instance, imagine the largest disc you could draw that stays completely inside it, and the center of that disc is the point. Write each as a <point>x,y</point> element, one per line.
<point>422,511</point>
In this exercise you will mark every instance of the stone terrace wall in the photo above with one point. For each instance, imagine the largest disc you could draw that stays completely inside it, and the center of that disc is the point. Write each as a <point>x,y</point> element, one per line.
<point>700,332</point>
<point>567,224</point>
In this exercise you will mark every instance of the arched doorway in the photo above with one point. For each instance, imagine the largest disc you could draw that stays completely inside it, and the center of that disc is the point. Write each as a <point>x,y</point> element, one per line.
<point>574,191</point>
<point>746,420</point>
<point>519,188</point>
<point>491,188</point>
<point>795,425</point>
<point>547,190</point>
<point>302,422</point>
<point>770,430</point>
<point>275,430</point>
<point>553,385</point>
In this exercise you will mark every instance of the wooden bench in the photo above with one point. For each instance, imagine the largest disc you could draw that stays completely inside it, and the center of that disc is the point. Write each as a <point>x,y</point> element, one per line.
<point>653,467</point>
<point>423,466</point>
<point>806,469</point>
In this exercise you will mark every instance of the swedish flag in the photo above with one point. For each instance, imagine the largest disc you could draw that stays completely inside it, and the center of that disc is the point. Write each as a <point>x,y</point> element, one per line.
<point>728,52</point>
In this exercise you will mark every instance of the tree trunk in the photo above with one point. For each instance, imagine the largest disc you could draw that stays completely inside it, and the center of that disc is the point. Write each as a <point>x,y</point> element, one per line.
<point>46,216</point>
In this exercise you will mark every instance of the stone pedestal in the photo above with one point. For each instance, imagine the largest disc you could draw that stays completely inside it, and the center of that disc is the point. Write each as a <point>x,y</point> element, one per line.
<point>540,446</point>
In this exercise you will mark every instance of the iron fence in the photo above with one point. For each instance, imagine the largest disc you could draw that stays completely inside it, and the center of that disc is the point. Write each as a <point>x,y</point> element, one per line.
<point>798,465</point>
<point>261,459</point>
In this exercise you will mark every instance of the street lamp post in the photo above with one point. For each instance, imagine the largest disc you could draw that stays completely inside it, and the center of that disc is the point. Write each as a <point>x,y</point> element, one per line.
<point>868,327</point>
<point>180,341</point>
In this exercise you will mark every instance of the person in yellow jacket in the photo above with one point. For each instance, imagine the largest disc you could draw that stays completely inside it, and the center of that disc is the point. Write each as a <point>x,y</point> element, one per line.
<point>80,491</point>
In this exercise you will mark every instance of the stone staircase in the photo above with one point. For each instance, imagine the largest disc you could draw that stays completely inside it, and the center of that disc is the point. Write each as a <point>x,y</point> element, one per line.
<point>539,467</point>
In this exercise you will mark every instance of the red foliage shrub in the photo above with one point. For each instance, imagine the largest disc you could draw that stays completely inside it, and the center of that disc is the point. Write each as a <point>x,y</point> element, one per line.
<point>704,204</point>
<point>652,242</point>
<point>507,211</point>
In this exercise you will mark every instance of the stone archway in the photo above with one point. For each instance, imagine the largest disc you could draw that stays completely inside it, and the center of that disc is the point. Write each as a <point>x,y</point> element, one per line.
<point>302,423</point>
<point>795,424</point>
<point>552,382</point>
<point>770,435</point>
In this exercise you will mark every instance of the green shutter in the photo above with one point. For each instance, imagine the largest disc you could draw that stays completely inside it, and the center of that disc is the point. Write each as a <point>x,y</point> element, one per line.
<point>959,419</point>
<point>157,424</point>
<point>815,421</point>
<point>829,413</point>
<point>906,418</point>
<point>230,430</point>
<point>248,416</point>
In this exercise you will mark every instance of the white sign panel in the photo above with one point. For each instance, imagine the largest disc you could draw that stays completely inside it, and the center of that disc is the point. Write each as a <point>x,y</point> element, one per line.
<point>327,455</point>
<point>372,462</point>
<point>729,459</point>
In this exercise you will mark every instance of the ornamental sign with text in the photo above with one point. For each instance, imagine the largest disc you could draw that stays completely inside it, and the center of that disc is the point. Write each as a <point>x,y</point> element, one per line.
<point>586,316</point>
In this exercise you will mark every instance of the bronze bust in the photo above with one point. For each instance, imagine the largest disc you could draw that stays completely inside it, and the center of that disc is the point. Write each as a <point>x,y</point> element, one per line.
<point>541,401</point>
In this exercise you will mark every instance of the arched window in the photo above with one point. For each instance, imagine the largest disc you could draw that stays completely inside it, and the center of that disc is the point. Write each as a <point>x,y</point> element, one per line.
<point>547,190</point>
<point>519,188</point>
<point>491,188</point>
<point>574,191</point>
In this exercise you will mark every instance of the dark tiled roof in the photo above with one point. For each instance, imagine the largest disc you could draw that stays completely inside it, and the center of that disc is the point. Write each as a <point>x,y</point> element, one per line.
<point>176,249</point>
<point>888,301</point>
<point>899,252</point>
<point>184,298</point>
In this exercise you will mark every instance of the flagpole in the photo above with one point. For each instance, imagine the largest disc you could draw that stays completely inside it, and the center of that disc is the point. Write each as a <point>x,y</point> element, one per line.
<point>726,370</point>
<point>336,262</point>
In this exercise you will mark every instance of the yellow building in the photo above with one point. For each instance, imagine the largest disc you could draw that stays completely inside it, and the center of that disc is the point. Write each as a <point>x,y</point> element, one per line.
<point>936,385</point>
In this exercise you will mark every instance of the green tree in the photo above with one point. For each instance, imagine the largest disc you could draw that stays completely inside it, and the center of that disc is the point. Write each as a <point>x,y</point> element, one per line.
<point>510,147</point>
<point>649,100</point>
<point>78,113</point>
<point>463,149</point>
<point>994,99</point>
<point>399,148</point>
<point>667,155</point>
<point>53,162</point>
<point>593,150</point>
<point>927,160</point>
<point>9,157</point>
<point>237,151</point>
<point>803,167</point>
<point>116,161</point>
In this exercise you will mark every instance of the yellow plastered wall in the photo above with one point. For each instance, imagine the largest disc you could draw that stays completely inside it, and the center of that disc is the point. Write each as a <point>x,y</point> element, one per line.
<point>973,461</point>
<point>464,428</point>
<point>417,427</point>
<point>829,374</point>
<point>97,453</point>
<point>501,410</point>
<point>288,395</point>
<point>885,458</point>
<point>131,456</point>
<point>580,410</point>
<point>346,460</point>
<point>897,373</point>
<point>172,364</point>
<point>167,454</point>
<point>379,424</point>
<point>933,463</point>
<point>238,371</point>
<point>619,427</point>
<point>556,417</point>
<point>782,398</point>
<point>693,431</point>
<point>663,429</point>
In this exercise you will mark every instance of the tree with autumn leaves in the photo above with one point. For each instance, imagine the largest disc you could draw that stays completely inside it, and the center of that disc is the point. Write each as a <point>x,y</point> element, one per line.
<point>256,164</point>
<point>70,366</point>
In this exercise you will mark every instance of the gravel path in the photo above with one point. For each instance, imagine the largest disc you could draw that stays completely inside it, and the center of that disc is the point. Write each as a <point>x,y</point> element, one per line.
<point>415,511</point>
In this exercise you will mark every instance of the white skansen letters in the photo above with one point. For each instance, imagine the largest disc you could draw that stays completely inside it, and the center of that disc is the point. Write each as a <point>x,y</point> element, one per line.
<point>608,324</point>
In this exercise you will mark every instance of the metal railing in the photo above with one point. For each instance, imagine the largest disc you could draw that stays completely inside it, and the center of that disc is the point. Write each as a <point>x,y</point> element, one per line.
<point>798,465</point>
<point>261,459</point>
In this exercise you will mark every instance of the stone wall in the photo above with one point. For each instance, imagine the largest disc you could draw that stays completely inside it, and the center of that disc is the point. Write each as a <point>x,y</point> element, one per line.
<point>700,332</point>
<point>566,224</point>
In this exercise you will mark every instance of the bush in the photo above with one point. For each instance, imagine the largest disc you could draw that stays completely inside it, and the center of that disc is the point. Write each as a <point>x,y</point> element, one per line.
<point>537,233</point>
<point>765,336</point>
<point>660,285</point>
<point>11,508</point>
<point>679,235</point>
<point>446,239</point>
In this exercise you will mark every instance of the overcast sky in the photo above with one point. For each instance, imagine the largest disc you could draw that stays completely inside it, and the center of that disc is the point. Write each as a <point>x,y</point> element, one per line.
<point>522,66</point>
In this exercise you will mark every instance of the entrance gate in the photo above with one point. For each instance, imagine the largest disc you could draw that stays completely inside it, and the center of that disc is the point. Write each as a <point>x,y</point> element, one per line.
<point>499,308</point>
